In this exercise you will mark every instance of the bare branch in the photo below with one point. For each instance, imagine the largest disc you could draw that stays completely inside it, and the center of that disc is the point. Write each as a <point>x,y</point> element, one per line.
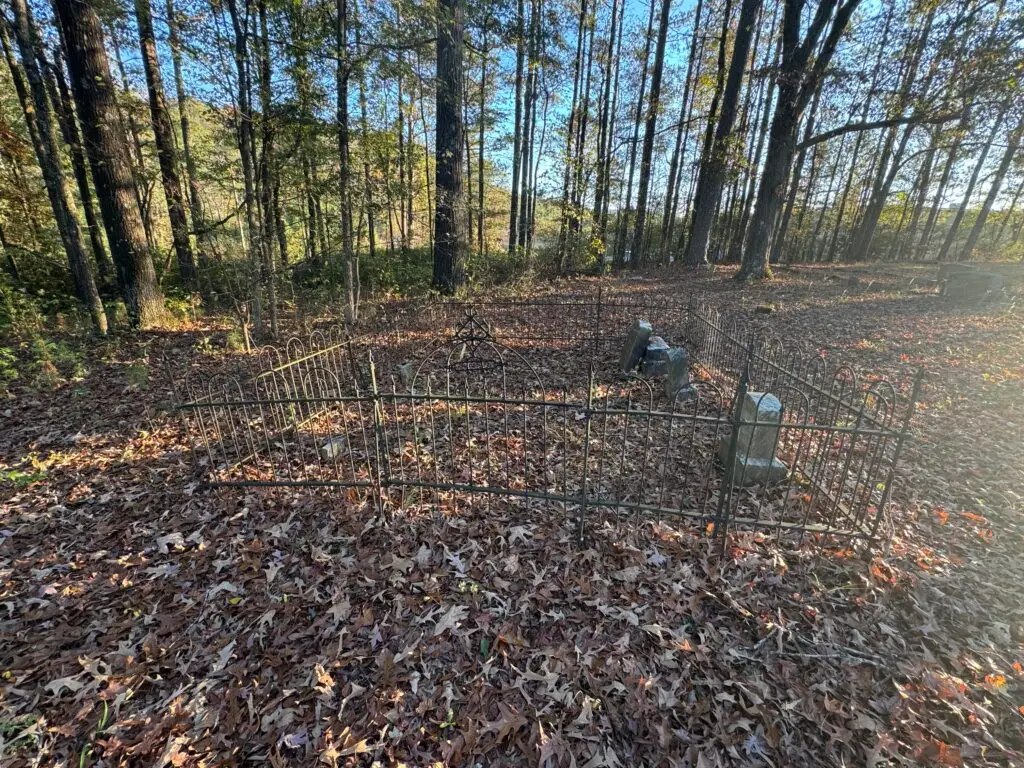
<point>872,125</point>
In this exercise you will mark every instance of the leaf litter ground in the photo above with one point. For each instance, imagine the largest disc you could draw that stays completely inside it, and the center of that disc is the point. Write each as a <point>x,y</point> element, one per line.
<point>143,621</point>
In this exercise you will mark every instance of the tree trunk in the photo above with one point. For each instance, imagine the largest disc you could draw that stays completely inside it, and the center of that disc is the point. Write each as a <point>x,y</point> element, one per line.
<point>265,183</point>
<point>196,210</point>
<point>713,173</point>
<point>527,187</point>
<point>1013,143</point>
<point>675,171</point>
<point>797,81</point>
<point>709,130</point>
<point>364,149</point>
<point>653,107</point>
<point>779,238</point>
<point>163,132</point>
<point>517,135</point>
<point>571,142</point>
<point>610,134</point>
<point>131,125</point>
<point>73,138</point>
<point>344,166</point>
<point>481,212</point>
<point>450,245</point>
<point>622,225</point>
<point>110,160</point>
<point>43,133</point>
<point>603,135</point>
<point>246,149</point>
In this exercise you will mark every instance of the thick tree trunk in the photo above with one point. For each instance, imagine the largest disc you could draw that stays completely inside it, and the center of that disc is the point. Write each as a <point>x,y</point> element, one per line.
<point>713,173</point>
<point>349,266</point>
<point>131,125</point>
<point>265,182</point>
<point>65,109</point>
<point>779,238</point>
<point>364,149</point>
<point>610,135</point>
<point>164,135</point>
<point>110,160</point>
<point>35,104</point>
<point>571,134</point>
<point>450,245</point>
<point>709,129</point>
<point>797,81</point>
<point>527,186</point>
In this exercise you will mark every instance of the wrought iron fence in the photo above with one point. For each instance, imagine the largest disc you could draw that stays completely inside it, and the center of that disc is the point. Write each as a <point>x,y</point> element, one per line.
<point>472,415</point>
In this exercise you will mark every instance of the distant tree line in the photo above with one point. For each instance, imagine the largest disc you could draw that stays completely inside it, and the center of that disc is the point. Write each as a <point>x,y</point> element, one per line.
<point>233,149</point>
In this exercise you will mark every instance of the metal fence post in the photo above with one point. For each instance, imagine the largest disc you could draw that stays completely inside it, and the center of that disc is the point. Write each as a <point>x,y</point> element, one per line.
<point>378,467</point>
<point>597,326</point>
<point>725,494</point>
<point>900,440</point>
<point>582,526</point>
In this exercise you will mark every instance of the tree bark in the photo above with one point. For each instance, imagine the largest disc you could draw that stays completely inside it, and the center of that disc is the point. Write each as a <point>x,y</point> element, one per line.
<point>798,80</point>
<point>110,160</point>
<point>481,212</point>
<point>246,148</point>
<point>163,132</point>
<point>73,138</point>
<point>196,211</point>
<point>712,174</point>
<point>622,223</point>
<point>954,227</point>
<point>450,245</point>
<point>42,131</point>
<point>603,135</point>
<point>517,135</point>
<point>344,167</point>
<point>650,127</point>
<point>265,182</point>
<point>675,171</point>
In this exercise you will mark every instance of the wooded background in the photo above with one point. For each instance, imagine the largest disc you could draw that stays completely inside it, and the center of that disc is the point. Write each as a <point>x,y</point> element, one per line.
<point>242,150</point>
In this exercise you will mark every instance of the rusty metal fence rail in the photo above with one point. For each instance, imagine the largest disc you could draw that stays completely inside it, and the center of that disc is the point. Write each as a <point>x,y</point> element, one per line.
<point>472,418</point>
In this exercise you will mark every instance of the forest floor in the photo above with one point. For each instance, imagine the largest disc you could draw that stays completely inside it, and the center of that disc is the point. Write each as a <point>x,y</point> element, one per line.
<point>144,621</point>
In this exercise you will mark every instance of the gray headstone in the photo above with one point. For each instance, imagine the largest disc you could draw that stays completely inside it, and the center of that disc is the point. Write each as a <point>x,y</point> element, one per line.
<point>405,372</point>
<point>678,374</point>
<point>333,448</point>
<point>755,447</point>
<point>655,357</point>
<point>973,286</point>
<point>636,344</point>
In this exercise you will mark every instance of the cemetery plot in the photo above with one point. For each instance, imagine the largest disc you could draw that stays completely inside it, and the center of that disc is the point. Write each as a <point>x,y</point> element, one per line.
<point>756,439</point>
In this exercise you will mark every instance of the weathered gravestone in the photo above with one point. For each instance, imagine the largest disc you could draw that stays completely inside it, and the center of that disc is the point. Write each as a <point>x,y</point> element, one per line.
<point>333,448</point>
<point>677,379</point>
<point>755,461</point>
<point>973,286</point>
<point>636,344</point>
<point>406,372</point>
<point>655,358</point>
